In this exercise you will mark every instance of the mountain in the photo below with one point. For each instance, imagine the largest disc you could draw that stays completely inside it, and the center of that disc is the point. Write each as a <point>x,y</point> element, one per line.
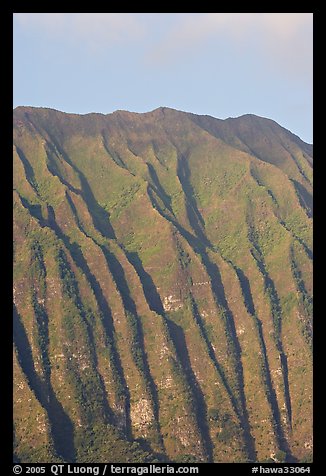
<point>162,288</point>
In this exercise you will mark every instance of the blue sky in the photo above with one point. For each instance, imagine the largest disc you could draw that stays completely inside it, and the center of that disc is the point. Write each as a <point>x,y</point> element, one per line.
<point>220,64</point>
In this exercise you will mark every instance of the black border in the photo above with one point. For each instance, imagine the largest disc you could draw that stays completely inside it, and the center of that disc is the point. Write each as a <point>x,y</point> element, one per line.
<point>6,240</point>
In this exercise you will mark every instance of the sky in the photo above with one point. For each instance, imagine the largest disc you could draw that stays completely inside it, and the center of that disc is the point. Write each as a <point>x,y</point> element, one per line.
<point>220,64</point>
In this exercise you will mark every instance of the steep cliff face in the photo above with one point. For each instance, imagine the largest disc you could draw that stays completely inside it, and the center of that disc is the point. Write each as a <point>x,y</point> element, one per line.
<point>162,288</point>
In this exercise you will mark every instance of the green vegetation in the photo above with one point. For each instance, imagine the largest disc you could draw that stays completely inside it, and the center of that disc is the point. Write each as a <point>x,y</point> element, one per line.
<point>162,287</point>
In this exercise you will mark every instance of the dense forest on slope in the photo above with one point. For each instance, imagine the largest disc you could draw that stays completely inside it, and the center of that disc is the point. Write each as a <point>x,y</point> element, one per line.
<point>162,288</point>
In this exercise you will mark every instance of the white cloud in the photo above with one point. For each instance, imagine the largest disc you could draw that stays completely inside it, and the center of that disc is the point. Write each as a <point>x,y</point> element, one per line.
<point>288,42</point>
<point>195,27</point>
<point>91,29</point>
<point>281,40</point>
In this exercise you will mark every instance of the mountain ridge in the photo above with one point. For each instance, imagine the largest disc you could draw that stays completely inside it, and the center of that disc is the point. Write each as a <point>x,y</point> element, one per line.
<point>166,236</point>
<point>158,110</point>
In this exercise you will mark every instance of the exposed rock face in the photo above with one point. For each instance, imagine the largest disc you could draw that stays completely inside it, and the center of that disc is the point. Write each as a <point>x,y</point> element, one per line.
<point>142,416</point>
<point>171,303</point>
<point>162,288</point>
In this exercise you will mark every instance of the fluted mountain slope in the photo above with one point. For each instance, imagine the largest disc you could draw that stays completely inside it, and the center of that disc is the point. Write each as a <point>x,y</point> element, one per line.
<point>162,288</point>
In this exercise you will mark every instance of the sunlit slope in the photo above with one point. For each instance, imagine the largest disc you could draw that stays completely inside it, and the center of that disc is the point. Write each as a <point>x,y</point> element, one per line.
<point>162,288</point>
